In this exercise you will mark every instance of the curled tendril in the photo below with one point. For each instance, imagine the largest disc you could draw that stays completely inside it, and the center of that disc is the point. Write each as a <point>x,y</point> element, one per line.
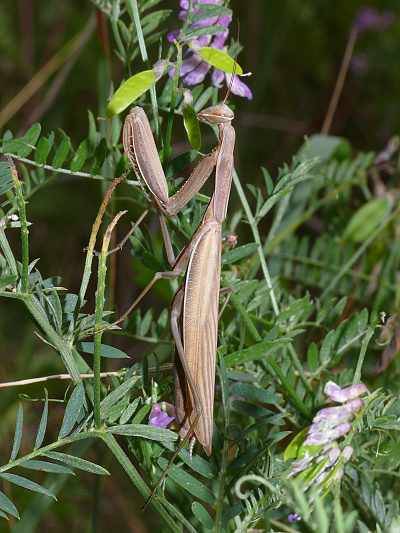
<point>252,478</point>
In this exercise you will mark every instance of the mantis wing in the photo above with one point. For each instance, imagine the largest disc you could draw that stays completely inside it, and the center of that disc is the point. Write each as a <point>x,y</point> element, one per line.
<point>200,329</point>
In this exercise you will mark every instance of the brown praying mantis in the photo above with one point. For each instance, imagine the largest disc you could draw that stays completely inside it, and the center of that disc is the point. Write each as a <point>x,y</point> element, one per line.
<point>194,313</point>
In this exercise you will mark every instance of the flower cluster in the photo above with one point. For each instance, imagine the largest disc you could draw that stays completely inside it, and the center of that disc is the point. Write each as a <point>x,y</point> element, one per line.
<point>321,459</point>
<point>194,69</point>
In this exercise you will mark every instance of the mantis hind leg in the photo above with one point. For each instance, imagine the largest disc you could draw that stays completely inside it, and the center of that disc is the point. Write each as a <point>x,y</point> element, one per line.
<point>185,394</point>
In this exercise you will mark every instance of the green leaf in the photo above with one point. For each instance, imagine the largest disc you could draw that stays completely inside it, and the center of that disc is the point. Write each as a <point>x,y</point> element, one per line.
<point>45,466</point>
<point>27,484</point>
<point>324,147</point>
<point>207,30</point>
<point>62,152</point>
<point>7,505</point>
<point>129,411</point>
<point>202,515</point>
<point>43,149</point>
<point>42,424</point>
<point>252,393</point>
<point>18,432</point>
<point>145,431</point>
<point>116,395</point>
<point>94,136</point>
<point>24,145</point>
<point>80,157</point>
<point>77,462</point>
<point>206,11</point>
<point>220,60</point>
<point>188,482</point>
<point>293,448</point>
<point>73,411</point>
<point>239,253</point>
<point>130,90</point>
<point>192,127</point>
<point>6,179</point>
<point>106,351</point>
<point>366,219</point>
<point>312,357</point>
<point>7,280</point>
<point>257,351</point>
<point>198,464</point>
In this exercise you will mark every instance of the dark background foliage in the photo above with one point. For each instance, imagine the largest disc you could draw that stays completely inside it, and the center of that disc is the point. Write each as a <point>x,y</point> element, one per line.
<point>293,49</point>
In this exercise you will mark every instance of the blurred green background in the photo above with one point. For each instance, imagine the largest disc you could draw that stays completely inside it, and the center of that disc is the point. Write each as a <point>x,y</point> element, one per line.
<point>294,50</point>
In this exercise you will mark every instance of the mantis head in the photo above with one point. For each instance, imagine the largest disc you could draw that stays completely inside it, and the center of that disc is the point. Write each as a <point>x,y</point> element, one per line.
<point>217,114</point>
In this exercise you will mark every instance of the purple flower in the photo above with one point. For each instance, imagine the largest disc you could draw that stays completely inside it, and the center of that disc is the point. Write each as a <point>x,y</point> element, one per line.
<point>293,518</point>
<point>194,69</point>
<point>336,394</point>
<point>347,453</point>
<point>159,418</point>
<point>369,18</point>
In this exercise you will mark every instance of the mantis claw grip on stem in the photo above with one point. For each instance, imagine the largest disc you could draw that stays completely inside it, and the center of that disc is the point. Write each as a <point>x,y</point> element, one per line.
<point>194,315</point>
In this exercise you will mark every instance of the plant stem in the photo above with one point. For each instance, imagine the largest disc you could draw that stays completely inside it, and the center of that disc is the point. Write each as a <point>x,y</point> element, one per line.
<point>264,267</point>
<point>50,447</point>
<point>19,193</point>
<point>61,345</point>
<point>136,478</point>
<point>40,78</point>
<point>359,253</point>
<point>133,10</point>
<point>62,377</point>
<point>348,53</point>
<point>92,240</point>
<point>257,240</point>
<point>100,301</point>
<point>167,148</point>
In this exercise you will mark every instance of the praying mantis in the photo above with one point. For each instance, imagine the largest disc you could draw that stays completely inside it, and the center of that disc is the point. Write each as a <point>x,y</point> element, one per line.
<point>194,312</point>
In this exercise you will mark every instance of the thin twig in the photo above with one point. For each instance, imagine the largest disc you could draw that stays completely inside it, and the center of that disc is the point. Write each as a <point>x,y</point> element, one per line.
<point>337,92</point>
<point>67,377</point>
<point>121,244</point>
<point>100,301</point>
<point>40,78</point>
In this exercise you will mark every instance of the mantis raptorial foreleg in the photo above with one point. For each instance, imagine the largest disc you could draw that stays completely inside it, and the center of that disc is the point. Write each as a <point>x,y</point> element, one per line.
<point>194,320</point>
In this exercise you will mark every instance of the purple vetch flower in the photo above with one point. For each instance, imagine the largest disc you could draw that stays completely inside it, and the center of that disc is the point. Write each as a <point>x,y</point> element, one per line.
<point>369,18</point>
<point>159,418</point>
<point>323,437</point>
<point>347,453</point>
<point>301,464</point>
<point>293,518</point>
<point>194,69</point>
<point>339,395</point>
<point>328,426</point>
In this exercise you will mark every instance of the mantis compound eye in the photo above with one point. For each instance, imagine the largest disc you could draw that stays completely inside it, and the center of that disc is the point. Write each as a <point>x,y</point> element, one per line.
<point>218,114</point>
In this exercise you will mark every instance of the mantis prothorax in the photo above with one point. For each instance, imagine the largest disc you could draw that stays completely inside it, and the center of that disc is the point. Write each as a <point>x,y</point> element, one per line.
<point>194,315</point>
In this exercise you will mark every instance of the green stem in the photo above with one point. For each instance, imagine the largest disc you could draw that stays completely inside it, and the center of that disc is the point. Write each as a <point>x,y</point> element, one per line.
<point>19,193</point>
<point>50,447</point>
<point>99,311</point>
<point>257,240</point>
<point>167,149</point>
<point>136,479</point>
<point>359,253</point>
<point>267,276</point>
<point>61,345</point>
<point>133,10</point>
